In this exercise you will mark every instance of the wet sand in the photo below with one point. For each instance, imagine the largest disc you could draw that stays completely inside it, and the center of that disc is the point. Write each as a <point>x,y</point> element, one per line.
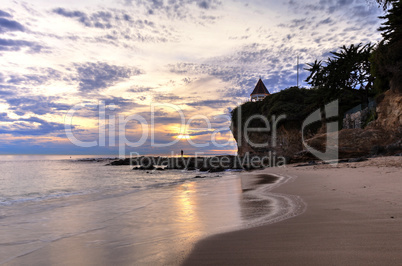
<point>353,217</point>
<point>156,226</point>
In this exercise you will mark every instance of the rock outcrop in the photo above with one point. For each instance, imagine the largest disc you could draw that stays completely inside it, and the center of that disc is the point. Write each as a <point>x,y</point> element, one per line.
<point>358,142</point>
<point>288,141</point>
<point>204,164</point>
<point>381,137</point>
<point>389,112</point>
<point>356,120</point>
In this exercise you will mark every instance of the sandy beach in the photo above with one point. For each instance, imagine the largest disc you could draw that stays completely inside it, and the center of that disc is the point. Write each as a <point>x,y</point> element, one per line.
<point>353,217</point>
<point>311,215</point>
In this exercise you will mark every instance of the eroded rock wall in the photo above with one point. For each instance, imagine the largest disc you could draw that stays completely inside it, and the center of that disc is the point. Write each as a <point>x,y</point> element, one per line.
<point>389,113</point>
<point>382,136</point>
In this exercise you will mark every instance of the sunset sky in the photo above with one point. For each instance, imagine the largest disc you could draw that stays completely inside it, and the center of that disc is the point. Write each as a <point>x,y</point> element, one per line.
<point>202,56</point>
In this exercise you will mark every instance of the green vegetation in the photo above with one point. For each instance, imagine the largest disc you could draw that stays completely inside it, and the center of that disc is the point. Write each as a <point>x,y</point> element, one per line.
<point>387,57</point>
<point>296,104</point>
<point>347,69</point>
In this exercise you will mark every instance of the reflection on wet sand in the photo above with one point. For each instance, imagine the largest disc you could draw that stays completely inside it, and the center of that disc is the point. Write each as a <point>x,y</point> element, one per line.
<point>185,203</point>
<point>264,179</point>
<point>253,206</point>
<point>200,209</point>
<point>156,228</point>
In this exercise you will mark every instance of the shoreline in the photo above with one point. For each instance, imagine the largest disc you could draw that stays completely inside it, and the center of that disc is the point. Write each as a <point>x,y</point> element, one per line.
<point>284,206</point>
<point>222,221</point>
<point>353,217</point>
<point>156,226</point>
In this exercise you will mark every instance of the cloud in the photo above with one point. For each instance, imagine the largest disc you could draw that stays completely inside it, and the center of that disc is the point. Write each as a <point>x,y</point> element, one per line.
<point>166,97</point>
<point>38,105</point>
<point>296,23</point>
<point>338,5</point>
<point>207,4</point>
<point>70,14</point>
<point>180,9</point>
<point>110,106</point>
<point>235,75</point>
<point>210,103</point>
<point>100,75</point>
<point>10,25</point>
<point>162,120</point>
<point>15,83</point>
<point>17,45</point>
<point>6,90</point>
<point>4,117</point>
<point>50,74</point>
<point>121,28</point>
<point>325,21</point>
<point>121,104</point>
<point>349,8</point>
<point>242,69</point>
<point>256,48</point>
<point>330,6</point>
<point>364,14</point>
<point>100,19</point>
<point>139,89</point>
<point>4,14</point>
<point>198,133</point>
<point>28,126</point>
<point>80,16</point>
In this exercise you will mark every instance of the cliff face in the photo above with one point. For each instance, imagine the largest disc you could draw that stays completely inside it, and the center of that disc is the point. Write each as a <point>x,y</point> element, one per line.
<point>355,142</point>
<point>287,142</point>
<point>382,136</point>
<point>389,112</point>
<point>284,137</point>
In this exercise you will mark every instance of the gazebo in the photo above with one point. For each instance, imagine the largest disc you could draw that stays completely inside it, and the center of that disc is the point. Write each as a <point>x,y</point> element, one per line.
<point>259,92</point>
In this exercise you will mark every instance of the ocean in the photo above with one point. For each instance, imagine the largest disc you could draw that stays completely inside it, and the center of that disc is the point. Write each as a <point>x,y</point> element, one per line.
<point>78,210</point>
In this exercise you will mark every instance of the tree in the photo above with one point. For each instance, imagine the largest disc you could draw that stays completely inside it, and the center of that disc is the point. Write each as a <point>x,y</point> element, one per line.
<point>387,57</point>
<point>392,27</point>
<point>315,78</point>
<point>347,69</point>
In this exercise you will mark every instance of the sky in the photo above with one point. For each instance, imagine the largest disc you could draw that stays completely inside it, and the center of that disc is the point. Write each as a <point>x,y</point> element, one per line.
<point>159,76</point>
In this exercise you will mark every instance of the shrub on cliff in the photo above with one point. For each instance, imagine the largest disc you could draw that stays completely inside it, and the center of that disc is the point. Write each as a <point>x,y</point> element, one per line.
<point>296,103</point>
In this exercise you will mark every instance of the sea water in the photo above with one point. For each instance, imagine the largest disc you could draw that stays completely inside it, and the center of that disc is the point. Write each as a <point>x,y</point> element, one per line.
<point>79,210</point>
<point>34,178</point>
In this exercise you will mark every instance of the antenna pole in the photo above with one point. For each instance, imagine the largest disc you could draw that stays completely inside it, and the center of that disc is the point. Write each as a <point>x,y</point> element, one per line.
<point>297,71</point>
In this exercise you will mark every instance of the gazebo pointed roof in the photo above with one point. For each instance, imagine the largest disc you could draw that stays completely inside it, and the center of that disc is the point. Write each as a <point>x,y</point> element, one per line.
<point>260,88</point>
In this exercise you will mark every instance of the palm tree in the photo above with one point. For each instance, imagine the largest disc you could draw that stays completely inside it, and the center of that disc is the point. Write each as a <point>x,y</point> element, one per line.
<point>315,77</point>
<point>347,69</point>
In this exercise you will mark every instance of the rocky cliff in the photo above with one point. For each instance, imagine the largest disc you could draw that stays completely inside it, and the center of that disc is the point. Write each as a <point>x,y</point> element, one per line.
<point>389,112</point>
<point>287,143</point>
<point>382,136</point>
